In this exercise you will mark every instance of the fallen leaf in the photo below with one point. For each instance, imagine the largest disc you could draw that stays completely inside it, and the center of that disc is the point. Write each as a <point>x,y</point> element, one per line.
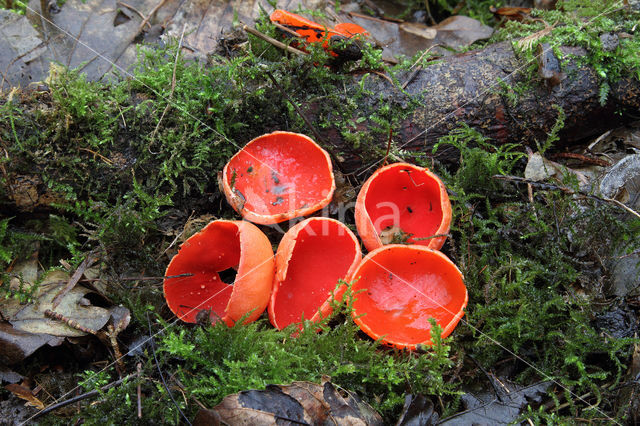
<point>459,31</point>
<point>504,408</point>
<point>419,30</point>
<point>16,345</point>
<point>19,44</point>
<point>417,411</point>
<point>8,375</point>
<point>300,402</point>
<point>539,169</point>
<point>23,392</point>
<point>511,13</point>
<point>73,306</point>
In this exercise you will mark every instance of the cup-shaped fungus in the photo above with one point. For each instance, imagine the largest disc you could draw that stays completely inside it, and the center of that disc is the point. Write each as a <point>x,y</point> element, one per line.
<point>278,176</point>
<point>400,287</point>
<point>311,259</point>
<point>403,203</point>
<point>195,291</point>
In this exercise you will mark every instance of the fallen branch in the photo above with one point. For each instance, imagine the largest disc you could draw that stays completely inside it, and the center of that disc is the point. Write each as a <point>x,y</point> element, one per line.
<point>273,41</point>
<point>569,191</point>
<point>80,397</point>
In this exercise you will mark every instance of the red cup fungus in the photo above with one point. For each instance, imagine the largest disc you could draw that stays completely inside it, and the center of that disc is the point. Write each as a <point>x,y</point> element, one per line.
<point>195,287</point>
<point>403,203</point>
<point>278,176</point>
<point>400,287</point>
<point>312,256</point>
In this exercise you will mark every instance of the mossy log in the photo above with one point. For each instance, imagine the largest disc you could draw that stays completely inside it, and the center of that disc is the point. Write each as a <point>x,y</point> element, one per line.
<point>476,88</point>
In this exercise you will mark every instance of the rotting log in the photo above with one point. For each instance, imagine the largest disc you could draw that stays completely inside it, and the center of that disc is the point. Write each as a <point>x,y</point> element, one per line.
<point>471,88</point>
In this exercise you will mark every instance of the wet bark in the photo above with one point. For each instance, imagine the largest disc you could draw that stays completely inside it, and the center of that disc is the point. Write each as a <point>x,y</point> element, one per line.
<point>472,88</point>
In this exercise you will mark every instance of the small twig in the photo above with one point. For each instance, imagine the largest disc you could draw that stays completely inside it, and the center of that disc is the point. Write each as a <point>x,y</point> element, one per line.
<point>87,262</point>
<point>173,86</point>
<point>153,350</point>
<point>166,277</point>
<point>176,238</point>
<point>139,370</point>
<point>286,30</point>
<point>419,67</point>
<point>273,41</point>
<point>128,6</point>
<point>112,333</point>
<point>585,159</point>
<point>68,321</point>
<point>386,19</point>
<point>315,132</point>
<point>568,191</point>
<point>97,154</point>
<point>386,156</point>
<point>496,391</point>
<point>145,21</point>
<point>80,397</point>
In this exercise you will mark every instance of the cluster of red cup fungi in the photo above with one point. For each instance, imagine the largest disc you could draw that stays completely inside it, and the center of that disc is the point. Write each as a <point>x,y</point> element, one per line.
<point>284,175</point>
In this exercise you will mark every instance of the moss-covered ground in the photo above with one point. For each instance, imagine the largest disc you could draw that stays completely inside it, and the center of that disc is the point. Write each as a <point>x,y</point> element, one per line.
<point>119,168</point>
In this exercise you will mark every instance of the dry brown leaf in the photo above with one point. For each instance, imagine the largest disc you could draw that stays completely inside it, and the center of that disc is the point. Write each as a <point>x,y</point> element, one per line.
<point>23,392</point>
<point>419,30</point>
<point>298,403</point>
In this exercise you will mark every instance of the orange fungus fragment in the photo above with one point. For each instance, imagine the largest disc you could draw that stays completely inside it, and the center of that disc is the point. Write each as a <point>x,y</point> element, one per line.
<point>400,287</point>
<point>195,288</point>
<point>278,176</point>
<point>312,256</point>
<point>403,203</point>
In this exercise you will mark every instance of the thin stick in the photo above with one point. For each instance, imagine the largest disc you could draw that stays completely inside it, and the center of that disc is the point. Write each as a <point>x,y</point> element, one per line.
<point>139,369</point>
<point>173,86</point>
<point>286,30</point>
<point>145,21</point>
<point>176,238</point>
<point>166,277</point>
<point>386,156</point>
<point>88,261</point>
<point>68,321</point>
<point>295,106</point>
<point>128,6</point>
<point>568,191</point>
<point>80,397</point>
<point>153,350</point>
<point>273,41</point>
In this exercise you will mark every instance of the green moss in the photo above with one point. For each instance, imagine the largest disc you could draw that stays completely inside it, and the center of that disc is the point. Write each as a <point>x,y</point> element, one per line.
<point>123,159</point>
<point>581,24</point>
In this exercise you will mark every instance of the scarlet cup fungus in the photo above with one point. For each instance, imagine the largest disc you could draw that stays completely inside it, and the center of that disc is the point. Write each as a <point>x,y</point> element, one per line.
<point>313,32</point>
<point>195,287</point>
<point>312,256</point>
<point>400,287</point>
<point>403,203</point>
<point>278,176</point>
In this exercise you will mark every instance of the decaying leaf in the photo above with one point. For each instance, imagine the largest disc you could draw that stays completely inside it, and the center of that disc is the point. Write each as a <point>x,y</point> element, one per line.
<point>9,376</point>
<point>489,408</point>
<point>511,13</point>
<point>73,306</point>
<point>539,169</point>
<point>417,411</point>
<point>459,31</point>
<point>25,393</point>
<point>298,403</point>
<point>16,345</point>
<point>419,30</point>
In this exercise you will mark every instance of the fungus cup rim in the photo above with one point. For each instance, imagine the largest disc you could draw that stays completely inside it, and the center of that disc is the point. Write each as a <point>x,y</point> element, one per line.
<point>364,224</point>
<point>238,203</point>
<point>284,255</point>
<point>250,293</point>
<point>360,317</point>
